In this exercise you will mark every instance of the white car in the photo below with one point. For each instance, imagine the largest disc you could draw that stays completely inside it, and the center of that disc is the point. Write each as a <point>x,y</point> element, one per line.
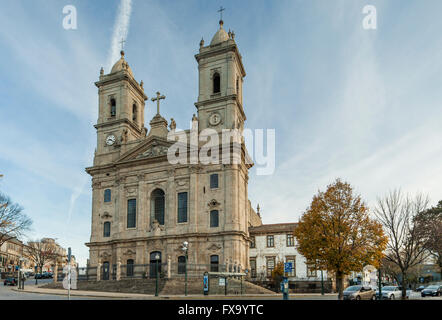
<point>391,293</point>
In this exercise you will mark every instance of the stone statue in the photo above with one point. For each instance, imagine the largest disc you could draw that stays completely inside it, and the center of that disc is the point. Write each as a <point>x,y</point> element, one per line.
<point>172,125</point>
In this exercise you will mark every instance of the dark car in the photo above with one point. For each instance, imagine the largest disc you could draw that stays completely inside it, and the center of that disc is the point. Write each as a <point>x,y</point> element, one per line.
<point>10,282</point>
<point>38,276</point>
<point>432,291</point>
<point>420,288</point>
<point>359,293</point>
<point>47,275</point>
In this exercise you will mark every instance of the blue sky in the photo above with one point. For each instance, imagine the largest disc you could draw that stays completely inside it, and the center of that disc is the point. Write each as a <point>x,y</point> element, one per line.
<point>363,105</point>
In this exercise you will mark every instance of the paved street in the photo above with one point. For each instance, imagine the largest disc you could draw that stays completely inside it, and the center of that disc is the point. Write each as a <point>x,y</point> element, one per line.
<point>7,293</point>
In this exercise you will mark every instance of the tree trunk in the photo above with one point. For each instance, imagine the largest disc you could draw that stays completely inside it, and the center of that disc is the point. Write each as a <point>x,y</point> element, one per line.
<point>404,286</point>
<point>340,284</point>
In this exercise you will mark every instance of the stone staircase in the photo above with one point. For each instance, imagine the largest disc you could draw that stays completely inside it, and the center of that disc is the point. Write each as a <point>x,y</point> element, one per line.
<point>165,286</point>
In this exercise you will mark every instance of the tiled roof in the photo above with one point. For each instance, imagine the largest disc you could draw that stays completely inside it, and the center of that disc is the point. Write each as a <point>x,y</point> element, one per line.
<point>273,228</point>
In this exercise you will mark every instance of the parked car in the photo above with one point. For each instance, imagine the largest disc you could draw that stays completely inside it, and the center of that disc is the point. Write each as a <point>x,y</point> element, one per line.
<point>433,290</point>
<point>10,282</point>
<point>420,288</point>
<point>389,293</point>
<point>359,293</point>
<point>47,275</point>
<point>38,276</point>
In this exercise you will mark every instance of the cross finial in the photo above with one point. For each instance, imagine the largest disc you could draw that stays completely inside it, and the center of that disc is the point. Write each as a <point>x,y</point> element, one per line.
<point>122,42</point>
<point>157,99</point>
<point>221,9</point>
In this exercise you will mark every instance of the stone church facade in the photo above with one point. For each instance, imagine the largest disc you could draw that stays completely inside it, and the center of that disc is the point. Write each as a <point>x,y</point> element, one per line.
<point>144,207</point>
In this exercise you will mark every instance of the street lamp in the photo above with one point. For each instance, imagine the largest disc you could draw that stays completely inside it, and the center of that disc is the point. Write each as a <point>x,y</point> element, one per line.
<point>20,282</point>
<point>185,249</point>
<point>157,258</point>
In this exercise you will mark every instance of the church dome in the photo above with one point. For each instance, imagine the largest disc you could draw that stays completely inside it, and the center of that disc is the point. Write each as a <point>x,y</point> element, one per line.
<point>121,65</point>
<point>220,36</point>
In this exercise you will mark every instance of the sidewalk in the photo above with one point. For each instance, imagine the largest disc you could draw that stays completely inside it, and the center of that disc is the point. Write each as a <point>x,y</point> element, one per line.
<point>121,295</point>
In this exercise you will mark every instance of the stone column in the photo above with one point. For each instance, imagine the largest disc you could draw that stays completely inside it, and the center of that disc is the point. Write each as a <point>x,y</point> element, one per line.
<point>99,271</point>
<point>169,265</point>
<point>55,275</point>
<point>118,270</point>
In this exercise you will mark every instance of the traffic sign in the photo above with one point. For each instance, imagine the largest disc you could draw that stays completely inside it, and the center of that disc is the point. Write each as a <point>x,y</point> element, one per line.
<point>288,267</point>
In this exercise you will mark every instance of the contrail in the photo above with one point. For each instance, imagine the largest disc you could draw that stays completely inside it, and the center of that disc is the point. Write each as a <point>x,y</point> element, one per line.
<point>121,29</point>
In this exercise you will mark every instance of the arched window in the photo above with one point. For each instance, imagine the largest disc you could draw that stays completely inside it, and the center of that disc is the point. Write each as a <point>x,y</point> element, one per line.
<point>214,218</point>
<point>106,229</point>
<point>107,195</point>
<point>158,204</point>
<point>134,112</point>
<point>216,83</point>
<point>130,268</point>
<point>181,265</point>
<point>113,107</point>
<point>214,263</point>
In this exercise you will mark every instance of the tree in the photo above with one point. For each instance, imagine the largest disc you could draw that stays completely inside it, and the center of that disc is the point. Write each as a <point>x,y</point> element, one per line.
<point>13,222</point>
<point>41,252</point>
<point>406,246</point>
<point>429,224</point>
<point>277,274</point>
<point>337,233</point>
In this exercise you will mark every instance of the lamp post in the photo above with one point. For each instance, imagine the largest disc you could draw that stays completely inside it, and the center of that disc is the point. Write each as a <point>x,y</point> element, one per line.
<point>20,281</point>
<point>322,282</point>
<point>157,258</point>
<point>185,249</point>
<point>380,283</point>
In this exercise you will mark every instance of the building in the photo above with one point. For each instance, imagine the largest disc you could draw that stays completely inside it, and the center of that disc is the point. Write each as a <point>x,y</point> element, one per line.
<point>273,243</point>
<point>143,206</point>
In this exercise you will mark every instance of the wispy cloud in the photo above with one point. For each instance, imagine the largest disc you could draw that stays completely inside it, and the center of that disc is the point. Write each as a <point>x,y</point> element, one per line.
<point>121,30</point>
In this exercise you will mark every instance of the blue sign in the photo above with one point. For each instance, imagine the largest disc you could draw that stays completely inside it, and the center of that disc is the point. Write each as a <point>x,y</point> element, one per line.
<point>206,282</point>
<point>288,267</point>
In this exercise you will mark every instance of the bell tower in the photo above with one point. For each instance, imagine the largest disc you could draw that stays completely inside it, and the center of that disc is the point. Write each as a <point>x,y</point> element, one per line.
<point>221,75</point>
<point>120,113</point>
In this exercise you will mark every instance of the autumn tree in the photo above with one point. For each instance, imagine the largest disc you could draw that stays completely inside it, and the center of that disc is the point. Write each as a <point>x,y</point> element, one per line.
<point>278,273</point>
<point>407,245</point>
<point>338,234</point>
<point>13,222</point>
<point>41,252</point>
<point>429,224</point>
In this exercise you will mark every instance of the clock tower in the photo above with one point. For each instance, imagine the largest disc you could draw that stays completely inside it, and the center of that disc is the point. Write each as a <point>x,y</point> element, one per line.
<point>221,75</point>
<point>121,112</point>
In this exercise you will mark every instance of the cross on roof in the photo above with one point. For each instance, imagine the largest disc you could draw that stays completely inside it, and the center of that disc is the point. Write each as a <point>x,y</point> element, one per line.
<point>221,9</point>
<point>122,42</point>
<point>157,99</point>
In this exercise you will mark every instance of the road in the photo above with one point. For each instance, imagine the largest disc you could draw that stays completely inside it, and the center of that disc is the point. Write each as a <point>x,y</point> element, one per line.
<point>6,293</point>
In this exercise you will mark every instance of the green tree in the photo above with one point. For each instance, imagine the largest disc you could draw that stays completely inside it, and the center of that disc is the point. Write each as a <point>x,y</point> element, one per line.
<point>337,232</point>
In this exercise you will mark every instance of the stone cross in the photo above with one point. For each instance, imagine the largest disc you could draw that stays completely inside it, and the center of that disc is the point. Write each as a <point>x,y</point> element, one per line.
<point>221,9</point>
<point>122,43</point>
<point>157,99</point>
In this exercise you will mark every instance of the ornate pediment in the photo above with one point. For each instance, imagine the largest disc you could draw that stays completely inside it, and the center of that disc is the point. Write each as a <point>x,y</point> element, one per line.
<point>129,252</point>
<point>213,203</point>
<point>150,148</point>
<point>105,255</point>
<point>154,151</point>
<point>214,247</point>
<point>106,215</point>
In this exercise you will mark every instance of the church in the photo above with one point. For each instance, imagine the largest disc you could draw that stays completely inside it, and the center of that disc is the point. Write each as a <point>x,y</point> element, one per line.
<point>144,208</point>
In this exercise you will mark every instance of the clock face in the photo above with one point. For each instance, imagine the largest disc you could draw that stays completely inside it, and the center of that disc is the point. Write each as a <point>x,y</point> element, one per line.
<point>215,119</point>
<point>110,140</point>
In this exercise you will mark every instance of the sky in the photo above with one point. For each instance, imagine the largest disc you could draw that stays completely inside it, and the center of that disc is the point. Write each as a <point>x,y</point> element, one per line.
<point>361,105</point>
